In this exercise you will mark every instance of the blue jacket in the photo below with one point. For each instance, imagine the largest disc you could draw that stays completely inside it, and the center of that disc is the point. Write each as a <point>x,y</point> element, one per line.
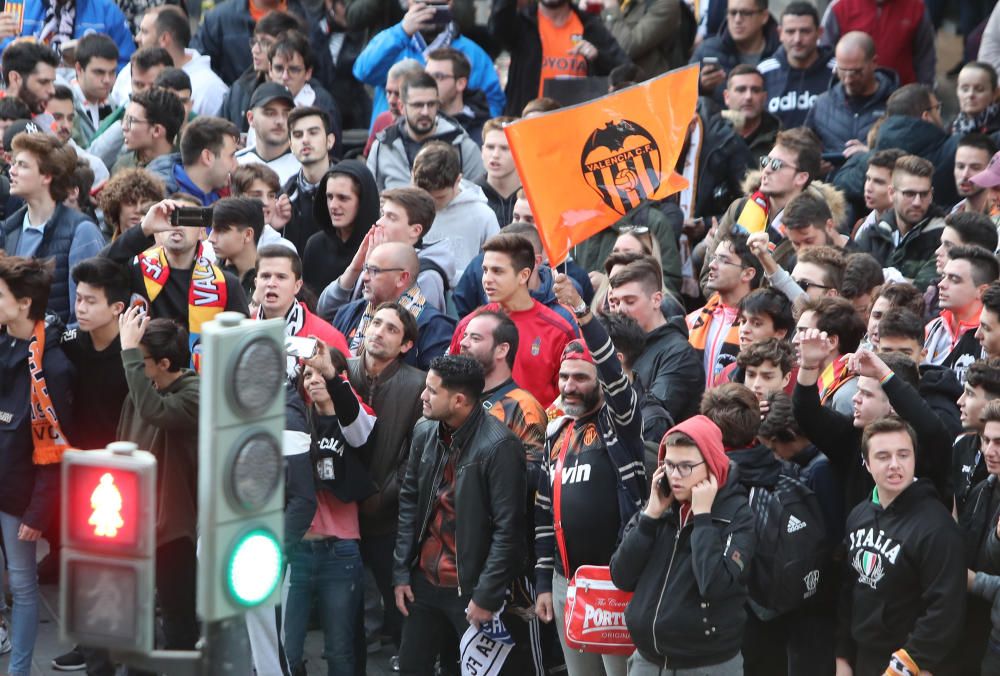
<point>836,122</point>
<point>791,92</point>
<point>393,45</point>
<point>469,294</point>
<point>69,238</point>
<point>434,331</point>
<point>92,16</point>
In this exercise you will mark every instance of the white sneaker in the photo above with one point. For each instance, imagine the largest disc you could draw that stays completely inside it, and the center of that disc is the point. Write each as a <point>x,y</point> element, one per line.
<point>5,646</point>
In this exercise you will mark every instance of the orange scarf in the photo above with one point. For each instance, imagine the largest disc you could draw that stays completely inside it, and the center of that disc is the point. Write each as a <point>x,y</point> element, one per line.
<point>699,321</point>
<point>833,377</point>
<point>46,434</point>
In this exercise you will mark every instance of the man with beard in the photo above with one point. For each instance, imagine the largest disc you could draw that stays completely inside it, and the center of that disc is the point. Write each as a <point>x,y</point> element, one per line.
<point>908,235</point>
<point>29,73</point>
<point>424,27</point>
<point>268,117</point>
<point>971,157</point>
<point>596,480</point>
<point>310,141</point>
<point>165,263</point>
<point>392,154</point>
<point>401,70</point>
<point>548,40</point>
<point>451,69</point>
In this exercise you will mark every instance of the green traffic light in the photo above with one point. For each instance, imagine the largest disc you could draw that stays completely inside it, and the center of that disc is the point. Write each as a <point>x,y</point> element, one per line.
<point>254,567</point>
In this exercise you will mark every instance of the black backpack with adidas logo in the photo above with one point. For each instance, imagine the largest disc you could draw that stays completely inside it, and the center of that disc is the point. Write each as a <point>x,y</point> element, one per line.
<point>793,548</point>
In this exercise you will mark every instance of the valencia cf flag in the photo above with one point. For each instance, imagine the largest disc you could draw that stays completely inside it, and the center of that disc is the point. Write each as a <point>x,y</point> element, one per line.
<point>586,166</point>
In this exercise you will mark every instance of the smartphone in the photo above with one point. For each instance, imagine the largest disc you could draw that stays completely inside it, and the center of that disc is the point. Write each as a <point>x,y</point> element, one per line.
<point>664,485</point>
<point>710,63</point>
<point>302,348</point>
<point>442,14</point>
<point>191,217</point>
<point>834,158</point>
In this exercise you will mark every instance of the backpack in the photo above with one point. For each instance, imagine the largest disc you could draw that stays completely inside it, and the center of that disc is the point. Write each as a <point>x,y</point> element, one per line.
<point>792,543</point>
<point>427,264</point>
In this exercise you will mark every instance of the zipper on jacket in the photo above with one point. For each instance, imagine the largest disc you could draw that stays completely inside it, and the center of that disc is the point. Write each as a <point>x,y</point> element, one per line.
<point>663,589</point>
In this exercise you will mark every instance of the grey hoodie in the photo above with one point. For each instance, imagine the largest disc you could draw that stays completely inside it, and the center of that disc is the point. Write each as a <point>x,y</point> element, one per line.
<point>429,281</point>
<point>465,224</point>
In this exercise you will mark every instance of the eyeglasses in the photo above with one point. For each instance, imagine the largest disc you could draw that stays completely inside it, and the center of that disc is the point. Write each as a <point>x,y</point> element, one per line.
<point>128,122</point>
<point>915,194</point>
<point>291,70</point>
<point>441,77</point>
<point>374,270</point>
<point>776,164</point>
<point>805,285</point>
<point>264,44</point>
<point>743,13</point>
<point>683,470</point>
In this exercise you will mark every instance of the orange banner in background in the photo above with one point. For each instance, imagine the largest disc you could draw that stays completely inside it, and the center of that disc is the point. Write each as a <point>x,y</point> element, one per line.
<point>585,167</point>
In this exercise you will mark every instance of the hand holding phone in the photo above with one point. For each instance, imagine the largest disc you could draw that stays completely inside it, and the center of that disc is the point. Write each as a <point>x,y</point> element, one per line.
<point>660,495</point>
<point>191,217</point>
<point>301,348</point>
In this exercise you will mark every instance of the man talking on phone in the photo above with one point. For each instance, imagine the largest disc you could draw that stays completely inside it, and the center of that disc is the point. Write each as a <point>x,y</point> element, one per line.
<point>750,35</point>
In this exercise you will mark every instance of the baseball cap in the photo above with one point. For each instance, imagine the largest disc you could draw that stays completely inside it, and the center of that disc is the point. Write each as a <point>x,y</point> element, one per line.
<point>990,176</point>
<point>271,91</point>
<point>29,126</point>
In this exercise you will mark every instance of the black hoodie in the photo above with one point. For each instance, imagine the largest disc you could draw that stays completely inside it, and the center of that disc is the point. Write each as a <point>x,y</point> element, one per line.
<point>326,255</point>
<point>905,581</point>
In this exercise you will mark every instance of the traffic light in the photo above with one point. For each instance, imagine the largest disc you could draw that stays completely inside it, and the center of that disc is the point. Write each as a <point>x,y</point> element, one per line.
<point>241,471</point>
<point>107,562</point>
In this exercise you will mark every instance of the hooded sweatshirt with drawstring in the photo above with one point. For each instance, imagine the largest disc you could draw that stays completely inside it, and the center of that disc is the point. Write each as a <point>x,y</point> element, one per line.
<point>689,571</point>
<point>326,255</point>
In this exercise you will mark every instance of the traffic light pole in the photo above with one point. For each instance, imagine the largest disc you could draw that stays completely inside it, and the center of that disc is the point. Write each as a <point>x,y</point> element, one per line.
<point>224,650</point>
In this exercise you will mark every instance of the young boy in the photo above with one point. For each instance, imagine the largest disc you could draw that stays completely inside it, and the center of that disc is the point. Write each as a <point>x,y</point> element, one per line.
<point>767,367</point>
<point>237,224</point>
<point>763,314</point>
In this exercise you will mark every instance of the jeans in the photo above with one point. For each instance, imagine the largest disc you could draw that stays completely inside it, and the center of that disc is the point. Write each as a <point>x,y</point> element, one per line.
<point>581,663</point>
<point>329,570</point>
<point>640,666</point>
<point>23,578</point>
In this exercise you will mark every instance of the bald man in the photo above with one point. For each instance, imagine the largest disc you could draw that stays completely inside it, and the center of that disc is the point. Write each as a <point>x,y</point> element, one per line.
<point>390,274</point>
<point>842,116</point>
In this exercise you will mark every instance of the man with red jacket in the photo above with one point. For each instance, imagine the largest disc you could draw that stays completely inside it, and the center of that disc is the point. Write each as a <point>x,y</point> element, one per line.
<point>902,31</point>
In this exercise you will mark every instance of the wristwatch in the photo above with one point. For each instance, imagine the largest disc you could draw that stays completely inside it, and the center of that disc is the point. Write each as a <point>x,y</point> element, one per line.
<point>581,310</point>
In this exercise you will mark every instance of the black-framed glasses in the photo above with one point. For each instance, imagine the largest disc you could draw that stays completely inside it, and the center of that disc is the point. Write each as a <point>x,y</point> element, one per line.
<point>128,122</point>
<point>775,163</point>
<point>683,469</point>
<point>805,285</point>
<point>914,194</point>
<point>374,270</point>
<point>291,70</point>
<point>441,77</point>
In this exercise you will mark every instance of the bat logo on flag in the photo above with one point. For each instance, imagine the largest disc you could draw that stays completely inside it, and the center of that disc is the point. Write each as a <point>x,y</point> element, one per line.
<point>621,162</point>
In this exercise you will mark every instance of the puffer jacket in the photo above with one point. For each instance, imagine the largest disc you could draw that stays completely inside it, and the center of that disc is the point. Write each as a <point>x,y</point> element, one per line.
<point>700,569</point>
<point>836,122</point>
<point>490,497</point>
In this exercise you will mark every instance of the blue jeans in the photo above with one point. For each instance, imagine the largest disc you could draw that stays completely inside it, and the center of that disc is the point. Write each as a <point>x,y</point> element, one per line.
<point>23,577</point>
<point>331,572</point>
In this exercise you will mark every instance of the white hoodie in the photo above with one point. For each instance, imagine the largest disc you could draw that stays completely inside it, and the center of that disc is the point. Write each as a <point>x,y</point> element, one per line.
<point>466,223</point>
<point>207,89</point>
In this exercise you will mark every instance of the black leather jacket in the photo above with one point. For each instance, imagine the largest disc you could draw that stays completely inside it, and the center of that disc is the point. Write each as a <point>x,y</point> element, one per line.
<point>490,498</point>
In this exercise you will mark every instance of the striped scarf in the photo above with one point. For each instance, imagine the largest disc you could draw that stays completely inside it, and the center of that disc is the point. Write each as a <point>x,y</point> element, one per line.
<point>49,441</point>
<point>412,300</point>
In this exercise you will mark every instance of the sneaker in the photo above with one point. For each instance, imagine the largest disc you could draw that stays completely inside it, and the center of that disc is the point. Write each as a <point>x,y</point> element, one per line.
<point>5,646</point>
<point>71,661</point>
<point>394,663</point>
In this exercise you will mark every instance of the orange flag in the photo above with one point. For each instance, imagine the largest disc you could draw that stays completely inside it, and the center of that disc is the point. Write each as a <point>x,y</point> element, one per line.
<point>585,167</point>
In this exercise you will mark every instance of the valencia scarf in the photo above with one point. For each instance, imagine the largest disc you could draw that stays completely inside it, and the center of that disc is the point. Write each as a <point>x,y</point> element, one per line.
<point>295,321</point>
<point>57,24</point>
<point>833,377</point>
<point>49,441</point>
<point>207,295</point>
<point>984,121</point>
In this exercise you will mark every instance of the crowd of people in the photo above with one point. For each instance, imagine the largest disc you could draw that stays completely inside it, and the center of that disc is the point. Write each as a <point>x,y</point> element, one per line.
<point>767,407</point>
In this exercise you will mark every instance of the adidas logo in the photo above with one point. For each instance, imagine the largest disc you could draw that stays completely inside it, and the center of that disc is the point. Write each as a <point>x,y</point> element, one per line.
<point>795,524</point>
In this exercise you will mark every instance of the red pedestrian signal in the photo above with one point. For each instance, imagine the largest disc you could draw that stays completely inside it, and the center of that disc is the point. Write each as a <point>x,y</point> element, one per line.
<point>108,554</point>
<point>105,507</point>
